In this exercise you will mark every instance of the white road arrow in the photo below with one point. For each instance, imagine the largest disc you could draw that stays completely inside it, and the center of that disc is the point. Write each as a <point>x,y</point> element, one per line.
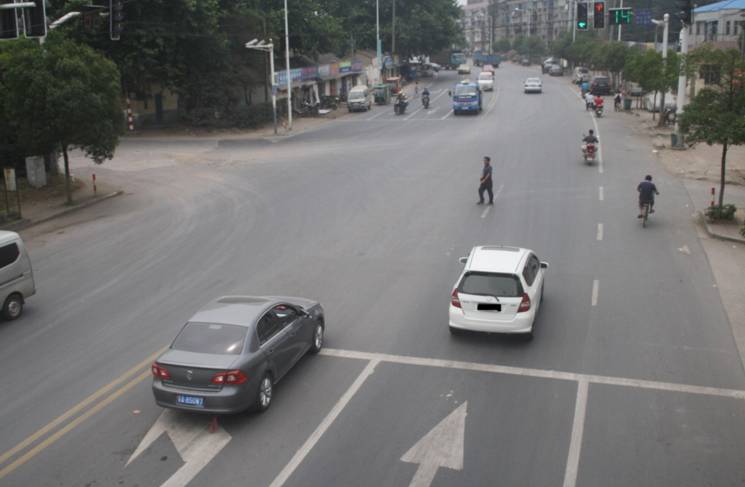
<point>441,447</point>
<point>192,439</point>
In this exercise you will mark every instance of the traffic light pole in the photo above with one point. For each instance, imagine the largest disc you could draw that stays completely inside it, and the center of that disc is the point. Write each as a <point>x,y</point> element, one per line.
<point>574,21</point>
<point>620,26</point>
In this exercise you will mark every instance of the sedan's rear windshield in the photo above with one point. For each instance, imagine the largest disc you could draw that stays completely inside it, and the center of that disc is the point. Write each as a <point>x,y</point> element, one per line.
<point>488,284</point>
<point>211,338</point>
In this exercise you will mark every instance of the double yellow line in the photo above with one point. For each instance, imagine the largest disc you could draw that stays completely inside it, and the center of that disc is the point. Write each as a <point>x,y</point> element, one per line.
<point>90,405</point>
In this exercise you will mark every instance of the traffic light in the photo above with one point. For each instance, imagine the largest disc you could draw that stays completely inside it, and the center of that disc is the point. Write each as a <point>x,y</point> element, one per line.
<point>599,11</point>
<point>582,16</point>
<point>35,19</point>
<point>8,24</point>
<point>116,19</point>
<point>620,16</point>
<point>685,7</point>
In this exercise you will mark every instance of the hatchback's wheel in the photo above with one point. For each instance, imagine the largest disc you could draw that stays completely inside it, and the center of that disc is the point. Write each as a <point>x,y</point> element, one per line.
<point>317,344</point>
<point>13,307</point>
<point>264,396</point>
<point>529,336</point>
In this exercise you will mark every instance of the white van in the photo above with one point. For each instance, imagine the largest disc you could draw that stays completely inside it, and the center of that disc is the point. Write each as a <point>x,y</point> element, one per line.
<point>360,98</point>
<point>16,275</point>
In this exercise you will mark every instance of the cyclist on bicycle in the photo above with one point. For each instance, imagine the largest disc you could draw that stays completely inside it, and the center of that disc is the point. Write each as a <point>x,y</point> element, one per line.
<point>646,190</point>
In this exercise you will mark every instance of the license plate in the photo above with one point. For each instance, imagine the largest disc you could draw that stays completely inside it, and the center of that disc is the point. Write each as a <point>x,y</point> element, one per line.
<point>190,400</point>
<point>488,307</point>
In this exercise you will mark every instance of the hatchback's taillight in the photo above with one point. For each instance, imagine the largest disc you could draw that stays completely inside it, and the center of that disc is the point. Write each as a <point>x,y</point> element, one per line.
<point>159,371</point>
<point>454,299</point>
<point>524,304</point>
<point>232,377</point>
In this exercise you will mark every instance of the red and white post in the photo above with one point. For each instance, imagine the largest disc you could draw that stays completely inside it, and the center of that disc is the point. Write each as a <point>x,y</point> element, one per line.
<point>130,119</point>
<point>94,184</point>
<point>713,196</point>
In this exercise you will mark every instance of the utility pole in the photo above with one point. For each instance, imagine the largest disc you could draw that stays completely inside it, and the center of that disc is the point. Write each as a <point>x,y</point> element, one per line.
<point>574,21</point>
<point>665,32</point>
<point>681,100</point>
<point>620,27</point>
<point>289,73</point>
<point>393,30</point>
<point>379,47</point>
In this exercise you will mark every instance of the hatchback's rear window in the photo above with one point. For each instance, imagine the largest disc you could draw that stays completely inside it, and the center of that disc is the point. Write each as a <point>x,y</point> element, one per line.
<point>487,284</point>
<point>211,338</point>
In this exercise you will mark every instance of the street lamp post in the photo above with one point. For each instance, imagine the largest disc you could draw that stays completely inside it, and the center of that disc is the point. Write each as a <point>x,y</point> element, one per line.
<point>268,47</point>
<point>287,67</point>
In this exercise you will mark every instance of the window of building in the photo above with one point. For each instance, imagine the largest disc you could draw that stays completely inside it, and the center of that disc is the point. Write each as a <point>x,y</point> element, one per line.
<point>727,28</point>
<point>698,28</point>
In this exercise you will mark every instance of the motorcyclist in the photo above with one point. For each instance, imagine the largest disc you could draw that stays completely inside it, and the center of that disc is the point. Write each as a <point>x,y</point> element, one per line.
<point>647,190</point>
<point>401,102</point>
<point>598,102</point>
<point>425,97</point>
<point>590,138</point>
<point>617,100</point>
<point>589,101</point>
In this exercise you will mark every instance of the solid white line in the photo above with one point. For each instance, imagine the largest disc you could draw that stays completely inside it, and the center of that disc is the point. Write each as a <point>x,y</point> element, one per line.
<point>486,211</point>
<point>327,421</point>
<point>601,194</point>
<point>578,427</point>
<point>600,145</point>
<point>447,115</point>
<point>600,231</point>
<point>535,373</point>
<point>595,290</point>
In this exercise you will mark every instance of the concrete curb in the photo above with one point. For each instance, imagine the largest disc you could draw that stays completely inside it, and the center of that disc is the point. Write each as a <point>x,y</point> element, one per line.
<point>24,223</point>
<point>717,235</point>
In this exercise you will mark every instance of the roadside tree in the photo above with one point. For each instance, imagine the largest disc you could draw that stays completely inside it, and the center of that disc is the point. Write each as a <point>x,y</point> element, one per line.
<point>716,115</point>
<point>64,95</point>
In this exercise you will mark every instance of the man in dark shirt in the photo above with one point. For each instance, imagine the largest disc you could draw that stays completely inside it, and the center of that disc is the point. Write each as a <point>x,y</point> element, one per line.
<point>485,183</point>
<point>646,190</point>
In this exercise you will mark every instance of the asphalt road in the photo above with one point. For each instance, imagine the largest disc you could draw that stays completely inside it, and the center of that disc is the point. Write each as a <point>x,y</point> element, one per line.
<point>633,377</point>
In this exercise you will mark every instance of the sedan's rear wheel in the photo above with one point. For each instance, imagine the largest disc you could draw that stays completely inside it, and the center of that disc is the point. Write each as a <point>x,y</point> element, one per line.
<point>13,307</point>
<point>265,393</point>
<point>317,344</point>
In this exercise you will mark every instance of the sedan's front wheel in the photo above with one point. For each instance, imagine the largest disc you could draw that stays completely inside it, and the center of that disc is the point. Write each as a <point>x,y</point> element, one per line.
<point>264,396</point>
<point>317,344</point>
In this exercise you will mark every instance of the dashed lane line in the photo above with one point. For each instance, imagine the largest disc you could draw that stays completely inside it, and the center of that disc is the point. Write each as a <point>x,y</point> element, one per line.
<point>535,373</point>
<point>601,193</point>
<point>595,292</point>
<point>447,115</point>
<point>578,428</point>
<point>600,232</point>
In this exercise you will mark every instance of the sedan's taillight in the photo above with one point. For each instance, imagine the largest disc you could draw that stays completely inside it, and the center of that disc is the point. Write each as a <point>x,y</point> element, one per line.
<point>454,299</point>
<point>524,304</point>
<point>232,377</point>
<point>159,371</point>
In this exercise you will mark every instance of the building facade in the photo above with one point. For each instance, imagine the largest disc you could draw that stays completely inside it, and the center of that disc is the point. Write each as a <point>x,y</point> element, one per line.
<point>721,24</point>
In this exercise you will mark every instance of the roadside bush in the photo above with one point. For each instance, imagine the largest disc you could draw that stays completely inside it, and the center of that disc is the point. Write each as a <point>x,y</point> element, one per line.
<point>721,213</point>
<point>252,116</point>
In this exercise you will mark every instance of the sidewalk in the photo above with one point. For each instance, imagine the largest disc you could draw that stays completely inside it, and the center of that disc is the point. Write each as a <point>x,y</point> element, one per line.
<point>48,203</point>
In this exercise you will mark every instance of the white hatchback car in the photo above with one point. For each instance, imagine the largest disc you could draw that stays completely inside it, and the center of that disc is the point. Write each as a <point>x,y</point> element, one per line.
<point>533,85</point>
<point>464,69</point>
<point>486,81</point>
<point>499,291</point>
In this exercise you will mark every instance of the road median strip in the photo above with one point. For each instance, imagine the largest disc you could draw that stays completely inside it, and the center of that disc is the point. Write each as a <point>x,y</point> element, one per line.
<point>95,402</point>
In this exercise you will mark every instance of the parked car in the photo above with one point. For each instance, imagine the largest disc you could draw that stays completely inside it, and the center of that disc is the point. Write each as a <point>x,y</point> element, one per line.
<point>600,85</point>
<point>525,61</point>
<point>546,65</point>
<point>16,275</point>
<point>228,356</point>
<point>486,81</point>
<point>581,74</point>
<point>555,70</point>
<point>488,68</point>
<point>464,69</point>
<point>500,290</point>
<point>533,85</point>
<point>360,98</point>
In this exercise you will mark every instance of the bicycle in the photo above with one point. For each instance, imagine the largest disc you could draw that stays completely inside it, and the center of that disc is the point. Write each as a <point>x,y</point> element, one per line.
<point>646,207</point>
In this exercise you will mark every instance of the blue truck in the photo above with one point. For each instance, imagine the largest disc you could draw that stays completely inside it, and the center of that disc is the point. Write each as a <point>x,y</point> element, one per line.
<point>466,98</point>
<point>449,58</point>
<point>482,59</point>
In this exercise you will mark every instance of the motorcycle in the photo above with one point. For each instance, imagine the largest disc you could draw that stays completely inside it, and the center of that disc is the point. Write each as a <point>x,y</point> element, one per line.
<point>599,111</point>
<point>399,108</point>
<point>588,152</point>
<point>425,101</point>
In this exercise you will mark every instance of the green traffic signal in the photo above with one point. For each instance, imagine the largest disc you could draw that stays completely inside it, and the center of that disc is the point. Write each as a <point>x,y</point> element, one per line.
<point>582,23</point>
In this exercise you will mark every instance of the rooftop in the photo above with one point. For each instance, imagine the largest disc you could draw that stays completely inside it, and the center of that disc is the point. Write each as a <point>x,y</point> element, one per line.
<point>723,5</point>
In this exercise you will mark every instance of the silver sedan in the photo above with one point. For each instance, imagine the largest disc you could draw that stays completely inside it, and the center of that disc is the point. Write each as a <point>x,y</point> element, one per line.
<point>229,355</point>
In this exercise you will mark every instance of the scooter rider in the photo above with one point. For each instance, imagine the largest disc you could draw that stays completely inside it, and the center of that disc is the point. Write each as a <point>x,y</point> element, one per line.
<point>425,97</point>
<point>589,101</point>
<point>590,138</point>
<point>598,102</point>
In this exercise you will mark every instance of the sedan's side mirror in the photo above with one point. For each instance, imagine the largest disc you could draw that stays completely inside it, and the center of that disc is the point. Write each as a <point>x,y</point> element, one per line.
<point>544,265</point>
<point>463,260</point>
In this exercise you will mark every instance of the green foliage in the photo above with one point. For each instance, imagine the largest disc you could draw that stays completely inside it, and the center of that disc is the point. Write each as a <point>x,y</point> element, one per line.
<point>721,213</point>
<point>648,68</point>
<point>532,47</point>
<point>502,45</point>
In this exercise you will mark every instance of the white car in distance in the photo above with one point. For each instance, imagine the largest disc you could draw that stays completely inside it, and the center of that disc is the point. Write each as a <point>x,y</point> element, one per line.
<point>464,69</point>
<point>500,290</point>
<point>486,81</point>
<point>533,85</point>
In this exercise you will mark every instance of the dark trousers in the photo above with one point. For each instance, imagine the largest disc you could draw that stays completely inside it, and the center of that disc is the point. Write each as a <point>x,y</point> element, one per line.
<point>488,189</point>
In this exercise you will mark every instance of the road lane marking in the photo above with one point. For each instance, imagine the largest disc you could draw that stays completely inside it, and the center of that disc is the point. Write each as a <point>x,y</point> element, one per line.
<point>494,101</point>
<point>325,424</point>
<point>380,112</point>
<point>414,112</point>
<point>578,427</point>
<point>194,441</point>
<point>447,115</point>
<point>486,211</point>
<point>78,407</point>
<point>600,232</point>
<point>536,373</point>
<point>601,193</point>
<point>600,145</point>
<point>50,440</point>
<point>595,290</point>
<point>442,447</point>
